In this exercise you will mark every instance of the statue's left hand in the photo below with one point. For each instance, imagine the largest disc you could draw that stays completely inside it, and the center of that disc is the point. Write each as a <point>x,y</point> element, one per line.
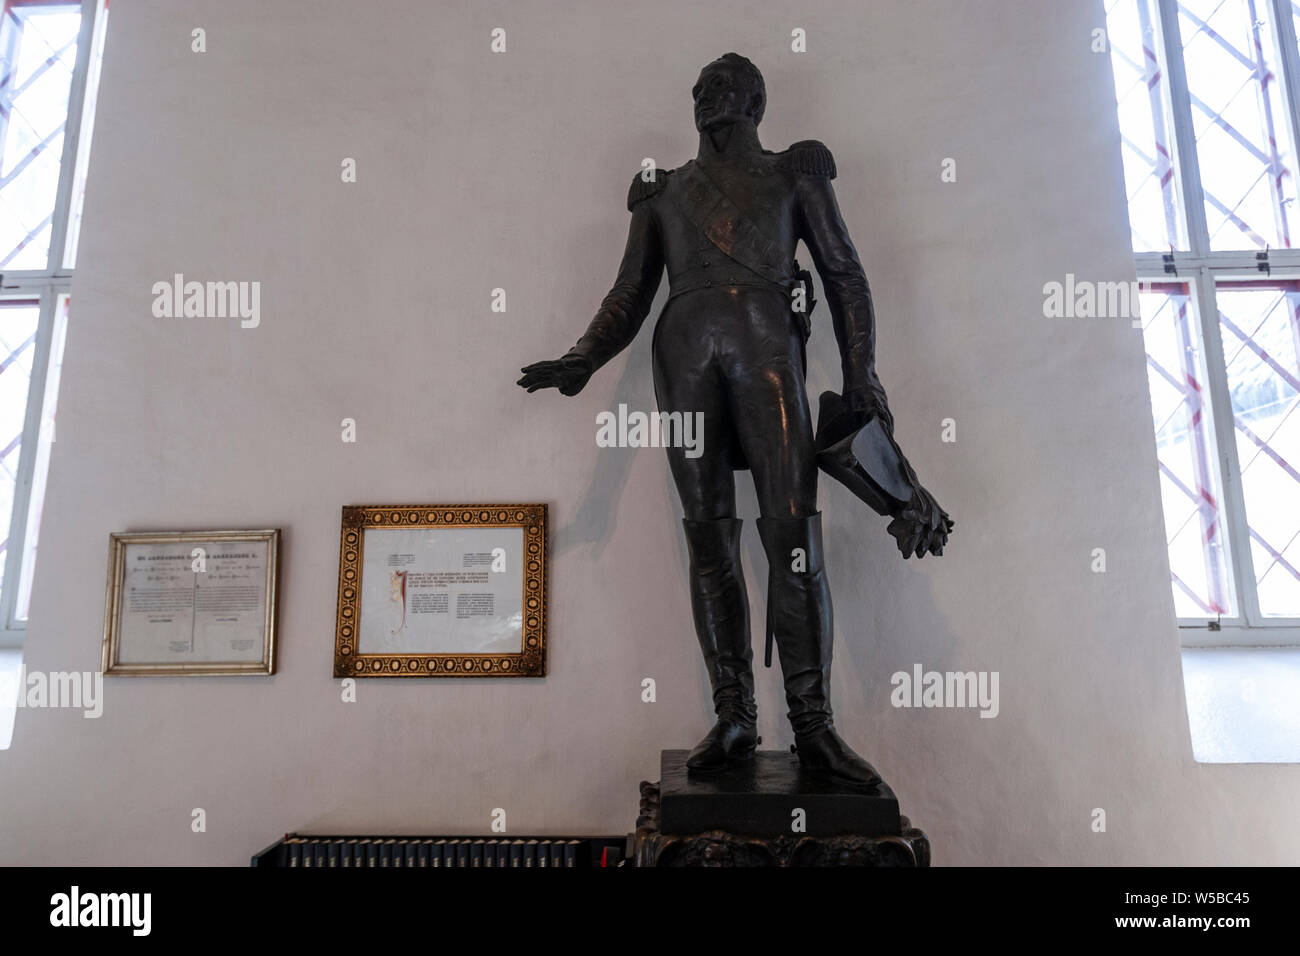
<point>921,525</point>
<point>569,374</point>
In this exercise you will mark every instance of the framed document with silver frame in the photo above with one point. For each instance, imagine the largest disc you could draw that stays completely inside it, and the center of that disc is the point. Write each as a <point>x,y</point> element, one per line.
<point>184,603</point>
<point>442,591</point>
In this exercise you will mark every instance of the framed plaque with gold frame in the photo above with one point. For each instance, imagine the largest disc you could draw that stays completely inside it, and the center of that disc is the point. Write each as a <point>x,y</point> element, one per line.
<point>442,591</point>
<point>184,603</point>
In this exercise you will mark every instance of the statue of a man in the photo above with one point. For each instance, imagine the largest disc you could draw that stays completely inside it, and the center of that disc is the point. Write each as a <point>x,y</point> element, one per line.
<point>729,344</point>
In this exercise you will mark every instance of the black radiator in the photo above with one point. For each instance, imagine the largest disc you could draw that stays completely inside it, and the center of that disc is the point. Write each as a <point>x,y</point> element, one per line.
<point>553,852</point>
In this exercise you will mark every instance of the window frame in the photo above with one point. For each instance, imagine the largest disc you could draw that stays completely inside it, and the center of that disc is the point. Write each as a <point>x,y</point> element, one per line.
<point>1204,271</point>
<point>48,286</point>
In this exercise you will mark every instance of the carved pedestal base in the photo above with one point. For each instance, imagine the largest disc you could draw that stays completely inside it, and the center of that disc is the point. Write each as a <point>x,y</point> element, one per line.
<point>719,847</point>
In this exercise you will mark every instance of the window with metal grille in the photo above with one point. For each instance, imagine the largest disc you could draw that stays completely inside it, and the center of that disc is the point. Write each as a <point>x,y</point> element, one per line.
<point>1208,94</point>
<point>49,68</point>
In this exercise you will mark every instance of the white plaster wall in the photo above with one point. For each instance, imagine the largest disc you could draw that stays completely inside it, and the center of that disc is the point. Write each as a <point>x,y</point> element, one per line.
<point>479,171</point>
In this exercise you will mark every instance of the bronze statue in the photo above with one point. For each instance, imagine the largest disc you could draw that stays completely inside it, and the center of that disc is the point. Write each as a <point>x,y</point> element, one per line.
<point>730,344</point>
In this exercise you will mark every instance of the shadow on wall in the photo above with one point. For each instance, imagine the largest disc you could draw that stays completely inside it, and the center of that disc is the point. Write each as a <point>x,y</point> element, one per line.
<point>593,522</point>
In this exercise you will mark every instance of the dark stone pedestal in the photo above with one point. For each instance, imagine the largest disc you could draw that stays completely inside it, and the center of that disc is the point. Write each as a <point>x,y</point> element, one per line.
<point>745,816</point>
<point>760,797</point>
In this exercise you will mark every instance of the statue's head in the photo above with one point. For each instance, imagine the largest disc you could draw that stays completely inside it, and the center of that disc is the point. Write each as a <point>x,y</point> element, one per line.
<point>729,89</point>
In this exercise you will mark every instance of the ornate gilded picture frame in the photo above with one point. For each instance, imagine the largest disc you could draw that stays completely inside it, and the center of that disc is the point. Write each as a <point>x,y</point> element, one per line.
<point>187,603</point>
<point>442,591</point>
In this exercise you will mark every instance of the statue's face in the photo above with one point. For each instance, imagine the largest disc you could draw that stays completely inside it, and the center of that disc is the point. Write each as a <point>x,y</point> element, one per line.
<point>721,97</point>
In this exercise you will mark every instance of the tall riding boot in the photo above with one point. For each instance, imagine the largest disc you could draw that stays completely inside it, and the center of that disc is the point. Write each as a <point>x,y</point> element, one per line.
<point>799,618</point>
<point>721,609</point>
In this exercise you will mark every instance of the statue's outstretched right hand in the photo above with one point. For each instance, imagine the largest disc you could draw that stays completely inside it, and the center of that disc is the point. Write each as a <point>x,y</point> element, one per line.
<point>569,374</point>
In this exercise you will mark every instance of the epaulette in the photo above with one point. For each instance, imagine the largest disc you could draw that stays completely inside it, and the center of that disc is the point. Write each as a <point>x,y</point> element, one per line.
<point>642,189</point>
<point>810,158</point>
